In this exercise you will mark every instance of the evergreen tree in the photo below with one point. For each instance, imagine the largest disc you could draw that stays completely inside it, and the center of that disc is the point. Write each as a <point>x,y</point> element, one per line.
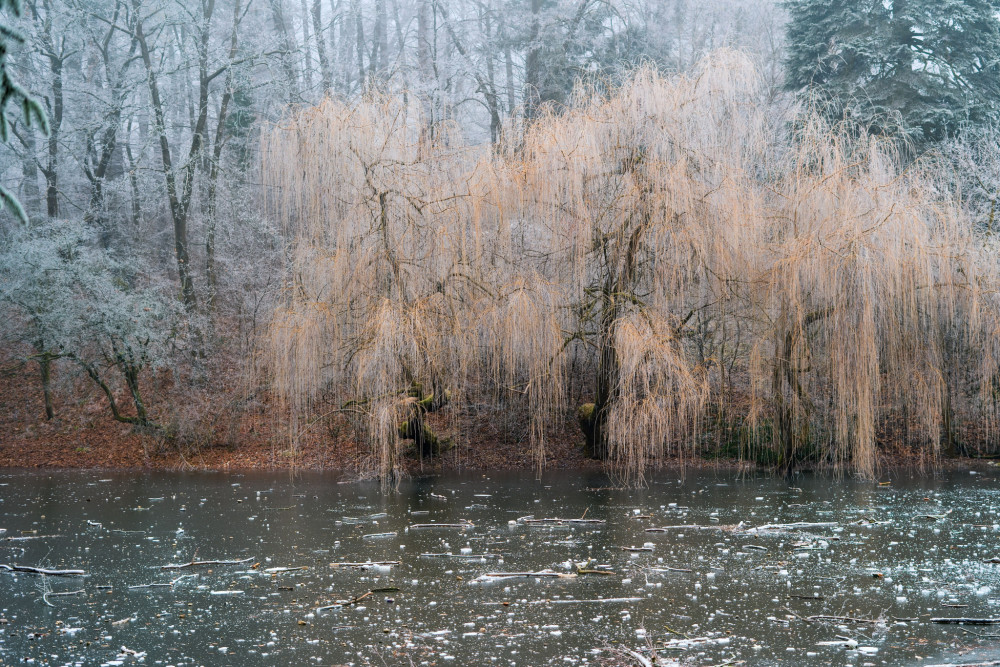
<point>10,91</point>
<point>922,69</point>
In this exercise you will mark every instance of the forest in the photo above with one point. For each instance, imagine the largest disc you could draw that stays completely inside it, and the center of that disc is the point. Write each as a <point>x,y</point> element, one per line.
<point>378,234</point>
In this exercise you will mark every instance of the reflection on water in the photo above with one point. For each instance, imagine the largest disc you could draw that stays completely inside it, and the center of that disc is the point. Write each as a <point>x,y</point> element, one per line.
<point>339,573</point>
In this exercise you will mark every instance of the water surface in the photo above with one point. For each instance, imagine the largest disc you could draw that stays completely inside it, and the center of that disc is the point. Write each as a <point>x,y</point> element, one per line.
<point>889,556</point>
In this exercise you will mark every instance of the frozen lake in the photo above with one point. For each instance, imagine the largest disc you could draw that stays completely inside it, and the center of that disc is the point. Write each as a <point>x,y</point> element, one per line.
<point>326,573</point>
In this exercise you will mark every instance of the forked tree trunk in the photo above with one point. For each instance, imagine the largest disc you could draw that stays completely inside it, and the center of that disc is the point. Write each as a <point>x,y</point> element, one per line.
<point>622,252</point>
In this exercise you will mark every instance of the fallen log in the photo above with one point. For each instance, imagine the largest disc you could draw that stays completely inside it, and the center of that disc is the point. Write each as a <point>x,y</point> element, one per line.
<point>199,563</point>
<point>384,563</point>
<point>464,524</point>
<point>967,621</point>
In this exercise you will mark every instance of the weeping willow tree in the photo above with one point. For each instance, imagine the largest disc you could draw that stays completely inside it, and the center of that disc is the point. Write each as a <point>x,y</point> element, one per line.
<point>401,274</point>
<point>701,258</point>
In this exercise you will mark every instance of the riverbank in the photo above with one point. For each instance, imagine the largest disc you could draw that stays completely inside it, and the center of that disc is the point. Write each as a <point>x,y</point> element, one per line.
<point>83,435</point>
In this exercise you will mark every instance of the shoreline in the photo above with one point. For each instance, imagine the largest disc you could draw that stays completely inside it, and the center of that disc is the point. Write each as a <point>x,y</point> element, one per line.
<point>84,437</point>
<point>254,459</point>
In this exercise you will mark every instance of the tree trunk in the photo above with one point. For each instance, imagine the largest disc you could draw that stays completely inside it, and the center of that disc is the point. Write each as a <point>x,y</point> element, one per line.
<point>45,371</point>
<point>213,175</point>
<point>381,60</point>
<point>307,61</point>
<point>508,64</point>
<point>607,374</point>
<point>30,194</point>
<point>360,44</point>
<point>782,429</point>
<point>425,66</point>
<point>178,204</point>
<point>56,55</point>
<point>324,62</point>
<point>533,63</point>
<point>133,178</point>
<point>287,47</point>
<point>492,101</point>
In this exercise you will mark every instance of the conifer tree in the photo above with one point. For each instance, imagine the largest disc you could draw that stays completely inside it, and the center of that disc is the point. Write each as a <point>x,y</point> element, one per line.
<point>920,69</point>
<point>11,92</point>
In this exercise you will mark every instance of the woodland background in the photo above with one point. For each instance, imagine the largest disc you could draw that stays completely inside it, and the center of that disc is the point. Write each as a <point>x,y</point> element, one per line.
<point>367,234</point>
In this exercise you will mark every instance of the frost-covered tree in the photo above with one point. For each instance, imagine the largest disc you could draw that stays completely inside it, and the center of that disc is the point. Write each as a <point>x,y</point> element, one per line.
<point>40,275</point>
<point>74,301</point>
<point>922,69</point>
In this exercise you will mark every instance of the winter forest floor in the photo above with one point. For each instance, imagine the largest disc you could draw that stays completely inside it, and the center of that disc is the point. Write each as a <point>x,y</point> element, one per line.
<point>84,435</point>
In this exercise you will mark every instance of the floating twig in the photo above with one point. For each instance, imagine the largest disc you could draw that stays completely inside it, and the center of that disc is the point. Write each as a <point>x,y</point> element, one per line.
<point>799,525</point>
<point>466,556</point>
<point>49,594</point>
<point>666,568</point>
<point>845,619</point>
<point>846,642</point>
<point>199,563</point>
<point>42,570</point>
<point>541,573</point>
<point>555,521</point>
<point>169,584</point>
<point>638,657</point>
<point>25,538</point>
<point>280,570</point>
<point>345,603</point>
